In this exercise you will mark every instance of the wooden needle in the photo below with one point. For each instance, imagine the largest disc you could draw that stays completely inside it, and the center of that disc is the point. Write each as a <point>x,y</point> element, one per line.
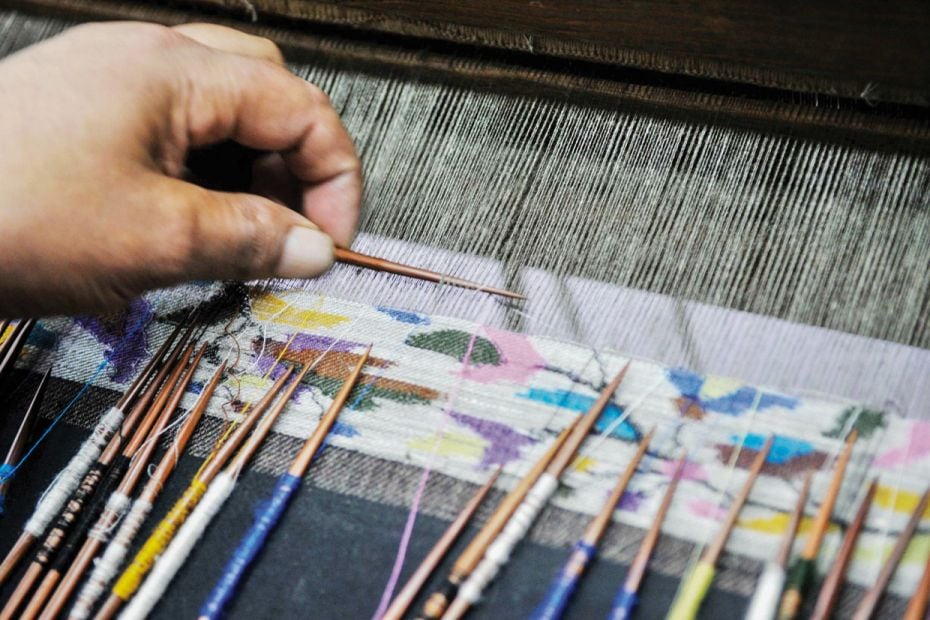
<point>626,598</point>
<point>11,347</point>
<point>917,607</point>
<point>764,602</point>
<point>556,599</point>
<point>96,478</point>
<point>830,589</point>
<point>22,437</point>
<point>437,602</point>
<point>271,511</point>
<point>187,502</point>
<point>802,572</point>
<point>308,451</point>
<point>120,542</point>
<point>405,597</point>
<point>107,518</point>
<point>358,259</point>
<point>155,365</point>
<point>712,554</point>
<point>869,603</point>
<point>498,553</point>
<point>697,582</point>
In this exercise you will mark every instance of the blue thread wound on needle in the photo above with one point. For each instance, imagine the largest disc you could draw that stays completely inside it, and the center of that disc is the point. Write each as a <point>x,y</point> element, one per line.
<point>249,547</point>
<point>563,587</point>
<point>267,515</point>
<point>623,605</point>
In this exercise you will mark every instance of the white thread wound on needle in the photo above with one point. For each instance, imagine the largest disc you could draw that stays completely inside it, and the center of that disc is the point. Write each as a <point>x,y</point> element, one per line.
<point>70,477</point>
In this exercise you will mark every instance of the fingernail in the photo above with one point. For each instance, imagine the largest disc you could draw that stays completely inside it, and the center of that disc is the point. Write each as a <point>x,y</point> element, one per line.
<point>307,253</point>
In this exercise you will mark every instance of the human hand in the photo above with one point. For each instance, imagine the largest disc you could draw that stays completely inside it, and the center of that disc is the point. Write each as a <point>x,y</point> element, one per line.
<point>96,124</point>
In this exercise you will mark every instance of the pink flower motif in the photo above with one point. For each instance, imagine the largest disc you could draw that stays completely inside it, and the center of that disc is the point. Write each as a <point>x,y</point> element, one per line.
<point>707,509</point>
<point>519,360</point>
<point>915,447</point>
<point>690,471</point>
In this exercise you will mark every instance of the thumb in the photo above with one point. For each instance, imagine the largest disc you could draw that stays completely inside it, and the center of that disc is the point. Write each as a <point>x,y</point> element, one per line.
<point>220,235</point>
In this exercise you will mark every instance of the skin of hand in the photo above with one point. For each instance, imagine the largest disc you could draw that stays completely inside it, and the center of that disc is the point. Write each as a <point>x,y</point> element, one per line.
<point>96,124</point>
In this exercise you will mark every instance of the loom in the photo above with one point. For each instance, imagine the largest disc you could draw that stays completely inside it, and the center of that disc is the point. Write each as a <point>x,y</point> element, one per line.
<point>740,192</point>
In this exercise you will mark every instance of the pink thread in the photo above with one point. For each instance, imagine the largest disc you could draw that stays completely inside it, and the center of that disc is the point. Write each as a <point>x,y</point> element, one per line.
<point>401,556</point>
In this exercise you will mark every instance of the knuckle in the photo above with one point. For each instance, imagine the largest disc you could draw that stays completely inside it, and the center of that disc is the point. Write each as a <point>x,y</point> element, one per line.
<point>318,95</point>
<point>180,232</point>
<point>158,37</point>
<point>254,251</point>
<point>271,50</point>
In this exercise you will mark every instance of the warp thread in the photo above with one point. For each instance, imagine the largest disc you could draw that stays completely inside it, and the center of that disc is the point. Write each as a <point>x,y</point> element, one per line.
<point>180,548</point>
<point>266,519</point>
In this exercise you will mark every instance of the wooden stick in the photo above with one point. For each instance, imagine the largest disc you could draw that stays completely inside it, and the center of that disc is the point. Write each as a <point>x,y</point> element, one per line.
<point>177,552</point>
<point>117,549</point>
<point>161,537</point>
<point>110,515</point>
<point>567,453</point>
<point>22,437</point>
<point>626,598</point>
<point>764,603</point>
<point>437,602</point>
<point>830,589</point>
<point>801,574</point>
<point>712,554</point>
<point>556,600</point>
<point>498,553</point>
<point>80,501</point>
<point>14,344</point>
<point>869,603</point>
<point>697,582</point>
<point>358,259</point>
<point>405,597</point>
<point>270,512</point>
<point>62,487</point>
<point>917,607</point>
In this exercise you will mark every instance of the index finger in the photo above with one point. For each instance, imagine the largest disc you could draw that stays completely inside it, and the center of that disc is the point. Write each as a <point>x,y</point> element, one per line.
<point>264,106</point>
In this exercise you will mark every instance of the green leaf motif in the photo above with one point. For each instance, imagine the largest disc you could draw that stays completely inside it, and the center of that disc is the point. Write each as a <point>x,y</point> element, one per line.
<point>454,343</point>
<point>362,397</point>
<point>867,422</point>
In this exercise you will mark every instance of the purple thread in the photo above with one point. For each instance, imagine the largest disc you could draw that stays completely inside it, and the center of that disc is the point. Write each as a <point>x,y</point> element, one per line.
<point>504,443</point>
<point>418,496</point>
<point>125,343</point>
